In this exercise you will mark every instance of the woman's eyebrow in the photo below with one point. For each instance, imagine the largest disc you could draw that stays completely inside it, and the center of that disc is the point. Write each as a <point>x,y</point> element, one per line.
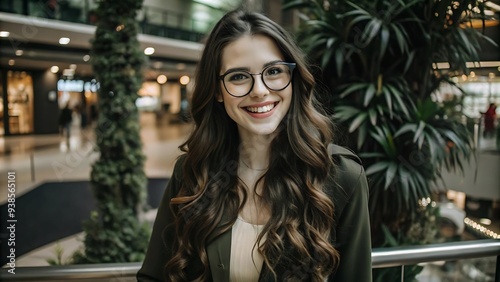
<point>272,63</point>
<point>237,69</point>
<point>248,69</point>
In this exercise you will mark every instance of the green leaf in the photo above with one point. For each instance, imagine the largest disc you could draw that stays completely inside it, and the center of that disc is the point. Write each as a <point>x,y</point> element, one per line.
<point>339,60</point>
<point>369,94</point>
<point>397,95</point>
<point>344,113</point>
<point>352,88</point>
<point>326,57</point>
<point>388,100</point>
<point>376,167</point>
<point>373,116</point>
<point>371,155</point>
<point>362,132</point>
<point>298,4</point>
<point>404,176</point>
<point>390,174</point>
<point>357,122</point>
<point>418,133</point>
<point>409,127</point>
<point>384,41</point>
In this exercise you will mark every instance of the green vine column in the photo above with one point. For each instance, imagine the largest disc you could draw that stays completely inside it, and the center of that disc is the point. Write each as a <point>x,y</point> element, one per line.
<point>114,233</point>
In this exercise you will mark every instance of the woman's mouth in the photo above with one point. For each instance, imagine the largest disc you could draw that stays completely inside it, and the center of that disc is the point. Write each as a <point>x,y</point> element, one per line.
<point>263,109</point>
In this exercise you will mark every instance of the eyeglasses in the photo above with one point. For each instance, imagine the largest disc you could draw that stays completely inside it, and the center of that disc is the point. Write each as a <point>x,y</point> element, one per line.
<point>275,77</point>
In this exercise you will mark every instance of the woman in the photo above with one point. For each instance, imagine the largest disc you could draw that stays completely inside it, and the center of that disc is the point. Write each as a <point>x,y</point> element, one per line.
<point>259,195</point>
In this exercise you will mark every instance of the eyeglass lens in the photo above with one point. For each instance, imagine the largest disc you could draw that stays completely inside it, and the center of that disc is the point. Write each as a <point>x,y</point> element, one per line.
<point>275,77</point>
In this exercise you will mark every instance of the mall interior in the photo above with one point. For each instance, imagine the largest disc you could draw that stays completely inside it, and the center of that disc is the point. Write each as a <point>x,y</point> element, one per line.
<point>45,66</point>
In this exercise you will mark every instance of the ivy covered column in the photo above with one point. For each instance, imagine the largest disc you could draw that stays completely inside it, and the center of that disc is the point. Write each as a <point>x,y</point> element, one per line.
<point>114,233</point>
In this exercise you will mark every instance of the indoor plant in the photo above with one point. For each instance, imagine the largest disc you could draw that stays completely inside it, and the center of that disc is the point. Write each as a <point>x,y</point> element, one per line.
<point>379,67</point>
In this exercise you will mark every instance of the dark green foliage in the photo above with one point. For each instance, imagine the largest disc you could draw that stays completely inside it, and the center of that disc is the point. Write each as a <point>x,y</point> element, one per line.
<point>377,59</point>
<point>114,234</point>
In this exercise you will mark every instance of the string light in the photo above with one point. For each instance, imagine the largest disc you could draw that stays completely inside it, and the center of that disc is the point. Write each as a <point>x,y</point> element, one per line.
<point>481,229</point>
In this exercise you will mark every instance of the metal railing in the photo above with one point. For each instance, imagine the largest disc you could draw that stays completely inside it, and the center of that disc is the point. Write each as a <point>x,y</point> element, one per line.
<point>381,258</point>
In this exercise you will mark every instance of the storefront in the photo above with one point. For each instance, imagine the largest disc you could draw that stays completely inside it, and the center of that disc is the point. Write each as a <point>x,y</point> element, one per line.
<point>17,106</point>
<point>29,102</point>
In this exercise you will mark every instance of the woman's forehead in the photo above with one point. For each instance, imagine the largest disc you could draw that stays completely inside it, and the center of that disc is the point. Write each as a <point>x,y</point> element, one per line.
<point>250,51</point>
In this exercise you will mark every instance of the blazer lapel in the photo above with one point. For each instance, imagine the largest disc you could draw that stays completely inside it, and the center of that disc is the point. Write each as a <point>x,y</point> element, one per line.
<point>219,256</point>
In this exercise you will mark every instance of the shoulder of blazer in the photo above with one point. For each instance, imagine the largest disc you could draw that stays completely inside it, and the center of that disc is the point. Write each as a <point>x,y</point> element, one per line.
<point>177,174</point>
<point>348,170</point>
<point>337,151</point>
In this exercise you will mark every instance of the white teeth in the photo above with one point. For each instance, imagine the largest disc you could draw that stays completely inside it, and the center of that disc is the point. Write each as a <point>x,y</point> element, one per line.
<point>264,109</point>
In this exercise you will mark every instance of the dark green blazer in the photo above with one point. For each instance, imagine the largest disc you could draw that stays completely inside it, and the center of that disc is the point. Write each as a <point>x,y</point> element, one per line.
<point>350,236</point>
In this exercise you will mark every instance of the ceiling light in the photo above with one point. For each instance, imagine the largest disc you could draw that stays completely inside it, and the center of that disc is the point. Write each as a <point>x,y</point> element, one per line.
<point>63,40</point>
<point>4,33</point>
<point>19,52</point>
<point>184,79</point>
<point>86,58</point>
<point>54,69</point>
<point>161,79</point>
<point>11,62</point>
<point>149,51</point>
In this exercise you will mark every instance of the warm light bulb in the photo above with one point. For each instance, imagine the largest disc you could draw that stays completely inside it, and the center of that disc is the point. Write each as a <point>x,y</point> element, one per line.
<point>184,80</point>
<point>161,79</point>
<point>54,69</point>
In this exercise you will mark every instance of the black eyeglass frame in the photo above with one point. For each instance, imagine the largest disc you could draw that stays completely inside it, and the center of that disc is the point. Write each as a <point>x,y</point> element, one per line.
<point>291,67</point>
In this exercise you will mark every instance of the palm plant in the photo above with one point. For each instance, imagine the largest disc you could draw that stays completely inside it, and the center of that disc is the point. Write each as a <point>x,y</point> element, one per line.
<point>379,65</point>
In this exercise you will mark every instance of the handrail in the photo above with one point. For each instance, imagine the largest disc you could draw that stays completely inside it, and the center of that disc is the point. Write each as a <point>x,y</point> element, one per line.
<point>381,258</point>
<point>409,255</point>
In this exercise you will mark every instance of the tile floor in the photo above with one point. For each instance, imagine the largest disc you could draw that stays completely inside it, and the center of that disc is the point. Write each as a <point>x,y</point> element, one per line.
<point>41,158</point>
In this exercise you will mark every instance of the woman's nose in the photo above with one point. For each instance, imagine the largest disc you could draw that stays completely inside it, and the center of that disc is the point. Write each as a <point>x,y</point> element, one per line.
<point>259,89</point>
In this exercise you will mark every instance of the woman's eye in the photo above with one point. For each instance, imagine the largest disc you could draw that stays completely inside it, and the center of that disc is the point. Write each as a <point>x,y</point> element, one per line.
<point>274,71</point>
<point>237,77</point>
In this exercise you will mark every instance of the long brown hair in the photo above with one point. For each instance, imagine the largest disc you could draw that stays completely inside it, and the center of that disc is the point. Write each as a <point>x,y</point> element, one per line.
<point>208,202</point>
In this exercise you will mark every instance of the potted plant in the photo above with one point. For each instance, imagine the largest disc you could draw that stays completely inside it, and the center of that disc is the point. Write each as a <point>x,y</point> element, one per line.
<point>379,62</point>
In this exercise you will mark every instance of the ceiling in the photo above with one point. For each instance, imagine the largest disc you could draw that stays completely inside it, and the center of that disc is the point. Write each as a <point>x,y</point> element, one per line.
<point>33,43</point>
<point>37,39</point>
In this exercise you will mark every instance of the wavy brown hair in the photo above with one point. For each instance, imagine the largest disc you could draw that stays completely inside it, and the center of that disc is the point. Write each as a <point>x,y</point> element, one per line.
<point>208,204</point>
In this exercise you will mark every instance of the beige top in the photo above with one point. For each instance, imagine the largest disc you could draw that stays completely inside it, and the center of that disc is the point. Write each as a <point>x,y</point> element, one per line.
<point>244,268</point>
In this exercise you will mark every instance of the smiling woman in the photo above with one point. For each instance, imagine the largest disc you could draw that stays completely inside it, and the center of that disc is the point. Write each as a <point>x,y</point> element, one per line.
<point>261,193</point>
